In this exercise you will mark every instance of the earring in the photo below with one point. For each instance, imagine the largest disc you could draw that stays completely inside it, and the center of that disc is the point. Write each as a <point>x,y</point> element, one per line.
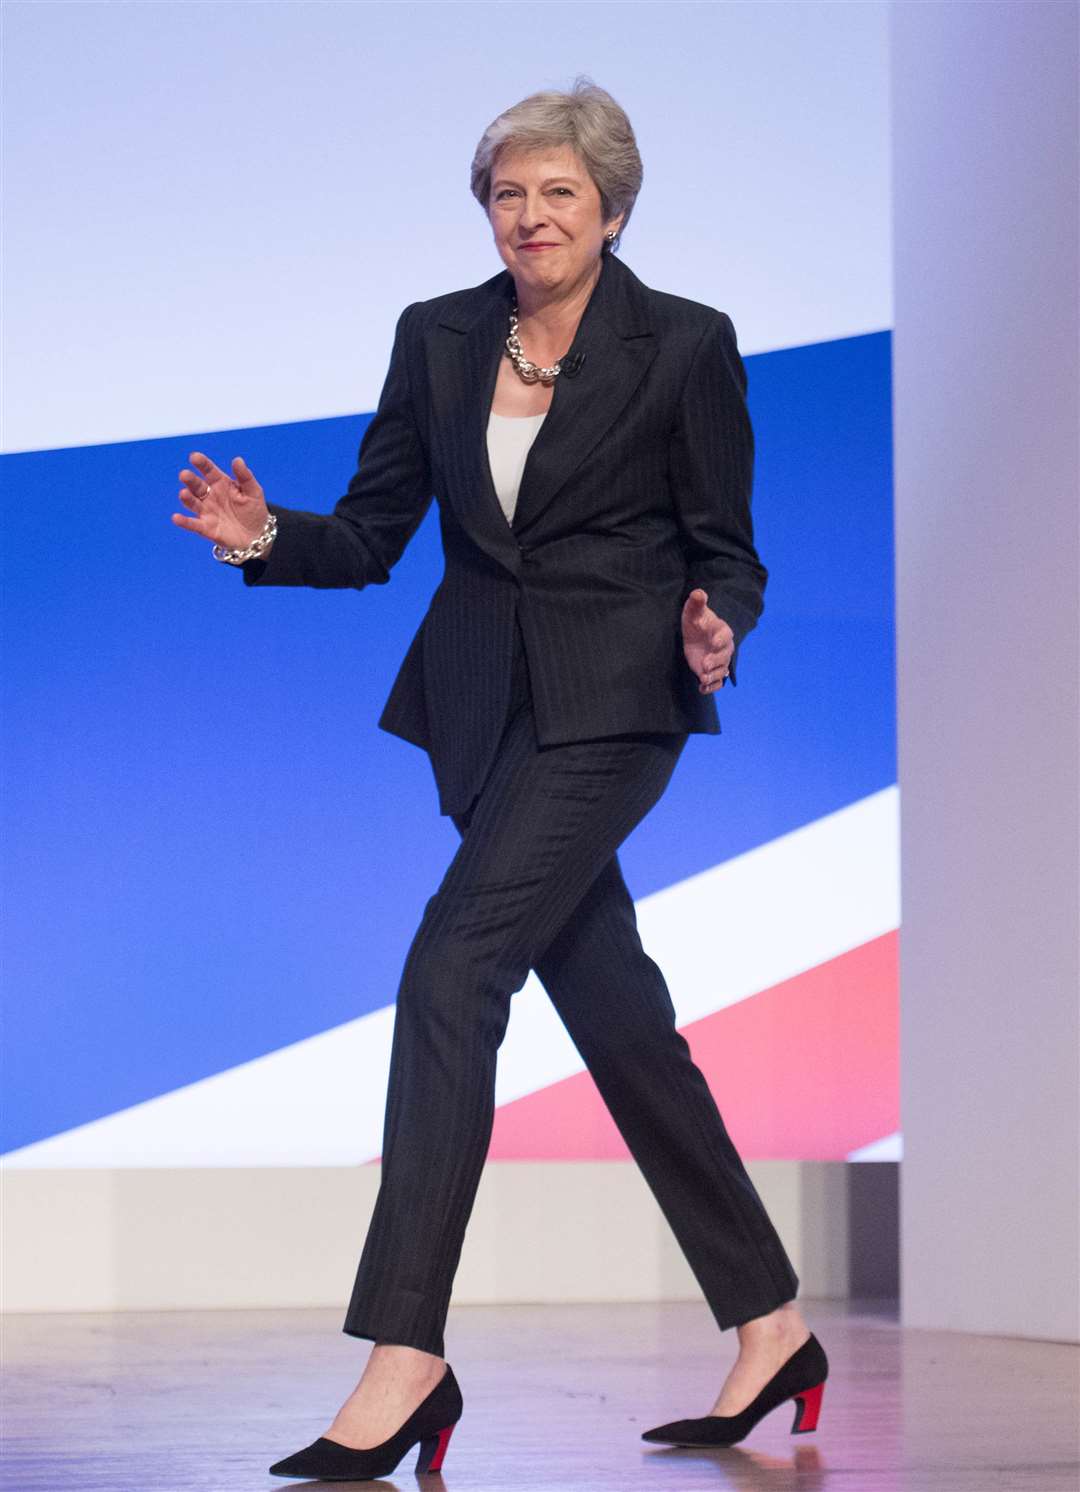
<point>609,237</point>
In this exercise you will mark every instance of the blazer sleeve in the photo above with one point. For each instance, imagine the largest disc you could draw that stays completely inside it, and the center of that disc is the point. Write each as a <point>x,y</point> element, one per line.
<point>712,475</point>
<point>365,535</point>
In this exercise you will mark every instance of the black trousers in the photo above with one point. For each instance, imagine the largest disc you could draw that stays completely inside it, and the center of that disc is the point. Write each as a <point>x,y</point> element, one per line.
<point>536,884</point>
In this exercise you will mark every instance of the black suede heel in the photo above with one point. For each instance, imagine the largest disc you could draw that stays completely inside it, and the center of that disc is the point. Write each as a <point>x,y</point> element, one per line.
<point>431,1424</point>
<point>801,1378</point>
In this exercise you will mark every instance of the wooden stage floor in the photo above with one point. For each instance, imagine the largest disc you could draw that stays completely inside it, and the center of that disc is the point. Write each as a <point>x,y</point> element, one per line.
<point>555,1401</point>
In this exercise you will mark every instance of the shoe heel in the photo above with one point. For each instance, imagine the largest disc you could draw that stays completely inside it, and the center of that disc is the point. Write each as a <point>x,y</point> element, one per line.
<point>807,1409</point>
<point>433,1449</point>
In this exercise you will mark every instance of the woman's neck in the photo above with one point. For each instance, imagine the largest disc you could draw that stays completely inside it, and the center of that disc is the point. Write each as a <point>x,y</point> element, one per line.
<point>548,324</point>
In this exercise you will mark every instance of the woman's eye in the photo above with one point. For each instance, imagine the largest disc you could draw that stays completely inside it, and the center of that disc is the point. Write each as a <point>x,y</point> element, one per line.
<point>508,191</point>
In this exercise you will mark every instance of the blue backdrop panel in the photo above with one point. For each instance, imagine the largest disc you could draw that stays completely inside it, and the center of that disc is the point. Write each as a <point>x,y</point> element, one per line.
<point>211,849</point>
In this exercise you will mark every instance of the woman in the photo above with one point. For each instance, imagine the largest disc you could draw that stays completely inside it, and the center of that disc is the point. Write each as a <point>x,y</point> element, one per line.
<point>590,447</point>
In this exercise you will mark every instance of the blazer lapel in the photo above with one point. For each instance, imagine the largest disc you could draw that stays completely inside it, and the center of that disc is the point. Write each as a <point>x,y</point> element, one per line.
<point>463,352</point>
<point>465,348</point>
<point>617,344</point>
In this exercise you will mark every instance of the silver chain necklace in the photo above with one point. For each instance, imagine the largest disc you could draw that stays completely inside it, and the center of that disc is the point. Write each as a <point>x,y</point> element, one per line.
<point>530,372</point>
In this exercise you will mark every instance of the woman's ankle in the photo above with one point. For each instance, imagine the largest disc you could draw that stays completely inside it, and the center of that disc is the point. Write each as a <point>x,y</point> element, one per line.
<point>784,1321</point>
<point>412,1359</point>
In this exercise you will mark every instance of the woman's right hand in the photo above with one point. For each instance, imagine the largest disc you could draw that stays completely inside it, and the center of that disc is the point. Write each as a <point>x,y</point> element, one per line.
<point>230,511</point>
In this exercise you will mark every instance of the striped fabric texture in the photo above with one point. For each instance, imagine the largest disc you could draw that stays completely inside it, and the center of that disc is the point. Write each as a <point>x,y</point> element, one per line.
<point>636,490</point>
<point>536,883</point>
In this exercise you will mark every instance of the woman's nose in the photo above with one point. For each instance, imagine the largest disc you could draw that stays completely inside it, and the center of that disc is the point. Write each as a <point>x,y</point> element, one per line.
<point>532,215</point>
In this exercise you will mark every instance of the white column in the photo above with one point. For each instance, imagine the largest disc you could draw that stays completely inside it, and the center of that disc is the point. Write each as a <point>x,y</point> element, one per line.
<point>988,631</point>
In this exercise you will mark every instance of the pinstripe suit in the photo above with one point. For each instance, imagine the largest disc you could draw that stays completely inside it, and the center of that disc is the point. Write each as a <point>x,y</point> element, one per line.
<point>548,685</point>
<point>636,490</point>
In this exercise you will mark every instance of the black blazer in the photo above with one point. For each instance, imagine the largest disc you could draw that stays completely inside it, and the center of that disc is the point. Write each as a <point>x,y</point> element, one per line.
<point>636,490</point>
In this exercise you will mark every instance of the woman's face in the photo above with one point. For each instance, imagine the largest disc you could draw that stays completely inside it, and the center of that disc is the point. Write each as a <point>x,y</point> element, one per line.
<point>545,213</point>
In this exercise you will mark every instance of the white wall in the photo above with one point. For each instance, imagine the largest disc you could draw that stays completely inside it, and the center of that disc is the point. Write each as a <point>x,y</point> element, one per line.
<point>986,426</point>
<point>231,1239</point>
<point>215,212</point>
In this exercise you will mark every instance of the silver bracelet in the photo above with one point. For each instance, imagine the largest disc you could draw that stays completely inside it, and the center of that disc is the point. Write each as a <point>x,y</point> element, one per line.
<point>254,549</point>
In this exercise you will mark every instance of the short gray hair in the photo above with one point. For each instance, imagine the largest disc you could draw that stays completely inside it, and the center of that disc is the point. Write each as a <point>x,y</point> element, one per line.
<point>586,118</point>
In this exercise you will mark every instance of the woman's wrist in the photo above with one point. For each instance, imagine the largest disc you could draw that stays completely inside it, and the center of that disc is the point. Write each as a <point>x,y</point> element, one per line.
<point>259,548</point>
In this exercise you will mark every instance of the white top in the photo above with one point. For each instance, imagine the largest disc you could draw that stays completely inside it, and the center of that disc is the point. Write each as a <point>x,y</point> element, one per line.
<point>509,437</point>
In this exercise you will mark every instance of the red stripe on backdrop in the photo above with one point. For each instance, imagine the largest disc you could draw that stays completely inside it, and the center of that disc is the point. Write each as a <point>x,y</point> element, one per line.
<point>807,1070</point>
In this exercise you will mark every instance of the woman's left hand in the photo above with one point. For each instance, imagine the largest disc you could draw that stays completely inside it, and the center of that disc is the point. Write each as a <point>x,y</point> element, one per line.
<point>708,642</point>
